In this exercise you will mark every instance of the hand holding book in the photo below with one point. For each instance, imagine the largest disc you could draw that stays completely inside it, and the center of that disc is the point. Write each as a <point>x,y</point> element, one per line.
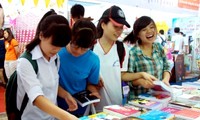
<point>85,98</point>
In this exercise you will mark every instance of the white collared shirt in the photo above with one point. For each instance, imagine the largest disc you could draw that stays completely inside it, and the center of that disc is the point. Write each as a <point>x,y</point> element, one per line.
<point>45,83</point>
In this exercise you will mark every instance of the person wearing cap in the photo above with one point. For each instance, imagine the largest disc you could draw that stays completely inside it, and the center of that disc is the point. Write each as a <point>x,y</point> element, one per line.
<point>109,28</point>
<point>146,58</point>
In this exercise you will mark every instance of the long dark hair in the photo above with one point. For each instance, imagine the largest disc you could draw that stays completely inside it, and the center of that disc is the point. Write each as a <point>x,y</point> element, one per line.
<point>10,35</point>
<point>84,33</point>
<point>139,24</point>
<point>99,28</point>
<point>1,33</point>
<point>52,25</point>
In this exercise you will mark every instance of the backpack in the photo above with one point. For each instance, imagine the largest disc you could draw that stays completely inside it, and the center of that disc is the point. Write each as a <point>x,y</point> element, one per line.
<point>11,92</point>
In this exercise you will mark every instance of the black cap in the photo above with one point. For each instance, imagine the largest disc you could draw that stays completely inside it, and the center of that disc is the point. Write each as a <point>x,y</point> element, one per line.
<point>116,14</point>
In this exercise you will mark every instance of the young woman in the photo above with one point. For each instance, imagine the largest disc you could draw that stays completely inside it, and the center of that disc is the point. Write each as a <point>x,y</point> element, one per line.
<point>110,27</point>
<point>12,52</point>
<point>146,56</point>
<point>79,66</point>
<point>53,32</point>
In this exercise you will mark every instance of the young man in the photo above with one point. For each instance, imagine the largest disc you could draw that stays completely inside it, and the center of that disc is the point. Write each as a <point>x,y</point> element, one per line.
<point>77,12</point>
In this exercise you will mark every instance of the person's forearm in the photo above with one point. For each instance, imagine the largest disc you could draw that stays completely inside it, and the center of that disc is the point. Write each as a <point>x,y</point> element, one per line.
<point>17,51</point>
<point>92,88</point>
<point>131,76</point>
<point>166,76</point>
<point>47,106</point>
<point>62,92</point>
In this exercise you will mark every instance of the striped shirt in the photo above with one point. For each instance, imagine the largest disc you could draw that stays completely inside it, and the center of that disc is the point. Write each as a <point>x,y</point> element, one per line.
<point>155,65</point>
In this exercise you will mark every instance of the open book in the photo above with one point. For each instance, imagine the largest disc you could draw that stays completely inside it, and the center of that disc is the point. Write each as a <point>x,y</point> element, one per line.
<point>84,98</point>
<point>160,93</point>
<point>160,86</point>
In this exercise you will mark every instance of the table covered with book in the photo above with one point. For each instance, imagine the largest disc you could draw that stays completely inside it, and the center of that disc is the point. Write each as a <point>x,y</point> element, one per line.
<point>177,102</point>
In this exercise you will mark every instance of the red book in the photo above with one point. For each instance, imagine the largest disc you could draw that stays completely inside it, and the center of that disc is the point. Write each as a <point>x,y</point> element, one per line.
<point>188,114</point>
<point>121,111</point>
<point>170,109</point>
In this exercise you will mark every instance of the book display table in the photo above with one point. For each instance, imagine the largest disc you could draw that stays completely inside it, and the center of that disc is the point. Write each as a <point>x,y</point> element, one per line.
<point>184,104</point>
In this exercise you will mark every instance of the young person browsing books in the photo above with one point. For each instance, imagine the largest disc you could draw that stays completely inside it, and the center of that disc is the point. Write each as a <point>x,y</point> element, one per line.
<point>79,66</point>
<point>110,27</point>
<point>53,32</point>
<point>146,56</point>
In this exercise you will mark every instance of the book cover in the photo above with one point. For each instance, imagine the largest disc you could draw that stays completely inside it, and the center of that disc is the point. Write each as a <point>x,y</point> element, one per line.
<point>160,93</point>
<point>160,97</point>
<point>157,115</point>
<point>188,114</point>
<point>171,110</point>
<point>188,98</point>
<point>144,103</point>
<point>121,111</point>
<point>99,116</point>
<point>84,98</point>
<point>131,118</point>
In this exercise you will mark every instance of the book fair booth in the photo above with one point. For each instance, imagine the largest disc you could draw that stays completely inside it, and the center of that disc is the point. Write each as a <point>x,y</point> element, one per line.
<point>23,16</point>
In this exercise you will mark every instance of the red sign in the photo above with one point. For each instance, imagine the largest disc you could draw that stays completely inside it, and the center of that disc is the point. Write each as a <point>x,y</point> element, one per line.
<point>189,4</point>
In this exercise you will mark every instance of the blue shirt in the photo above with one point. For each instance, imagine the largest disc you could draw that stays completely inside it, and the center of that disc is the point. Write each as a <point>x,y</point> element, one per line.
<point>76,72</point>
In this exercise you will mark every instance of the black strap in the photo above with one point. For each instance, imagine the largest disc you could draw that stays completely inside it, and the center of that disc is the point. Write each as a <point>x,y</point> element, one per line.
<point>121,52</point>
<point>23,106</point>
<point>28,56</point>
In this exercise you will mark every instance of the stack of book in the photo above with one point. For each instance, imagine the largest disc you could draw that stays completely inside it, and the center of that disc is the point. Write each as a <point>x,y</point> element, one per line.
<point>183,113</point>
<point>157,115</point>
<point>145,103</point>
<point>160,93</point>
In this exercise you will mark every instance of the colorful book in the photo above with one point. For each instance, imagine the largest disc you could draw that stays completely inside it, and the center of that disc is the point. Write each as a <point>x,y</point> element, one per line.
<point>99,116</point>
<point>188,98</point>
<point>156,96</point>
<point>171,110</point>
<point>160,86</point>
<point>131,118</point>
<point>144,103</point>
<point>188,114</point>
<point>84,98</point>
<point>160,93</point>
<point>183,113</point>
<point>121,111</point>
<point>156,115</point>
